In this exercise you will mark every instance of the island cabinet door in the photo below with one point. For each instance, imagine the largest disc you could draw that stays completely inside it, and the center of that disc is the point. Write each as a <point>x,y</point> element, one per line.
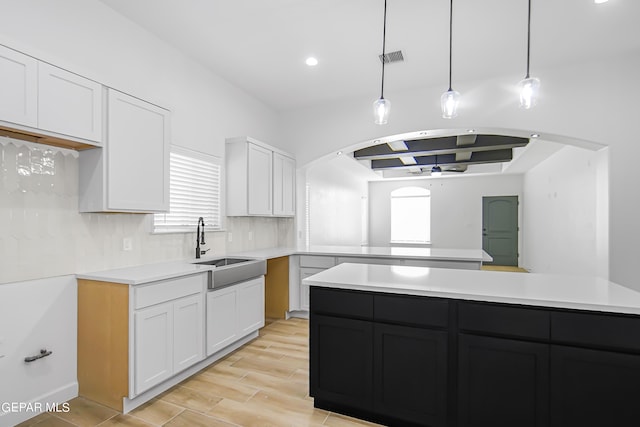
<point>410,374</point>
<point>341,362</point>
<point>502,383</point>
<point>594,388</point>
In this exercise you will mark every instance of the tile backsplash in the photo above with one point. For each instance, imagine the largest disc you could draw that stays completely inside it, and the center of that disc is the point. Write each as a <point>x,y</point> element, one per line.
<point>42,234</point>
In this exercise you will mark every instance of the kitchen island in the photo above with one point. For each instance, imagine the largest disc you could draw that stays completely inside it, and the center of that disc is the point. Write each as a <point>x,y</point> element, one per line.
<point>407,345</point>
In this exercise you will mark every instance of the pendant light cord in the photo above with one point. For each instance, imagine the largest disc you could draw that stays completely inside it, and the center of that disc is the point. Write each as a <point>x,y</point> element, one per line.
<point>528,37</point>
<point>384,39</point>
<point>450,40</point>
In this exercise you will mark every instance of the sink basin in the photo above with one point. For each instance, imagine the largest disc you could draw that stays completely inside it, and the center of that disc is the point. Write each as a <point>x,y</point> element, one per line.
<point>224,261</point>
<point>233,270</point>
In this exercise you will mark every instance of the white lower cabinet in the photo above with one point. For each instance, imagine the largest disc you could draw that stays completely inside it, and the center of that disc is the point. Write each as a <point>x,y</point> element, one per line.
<point>188,335</point>
<point>153,346</point>
<point>304,289</point>
<point>233,313</point>
<point>168,336</point>
<point>221,315</point>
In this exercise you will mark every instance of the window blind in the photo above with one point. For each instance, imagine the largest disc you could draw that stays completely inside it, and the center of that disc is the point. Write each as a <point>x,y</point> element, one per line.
<point>194,191</point>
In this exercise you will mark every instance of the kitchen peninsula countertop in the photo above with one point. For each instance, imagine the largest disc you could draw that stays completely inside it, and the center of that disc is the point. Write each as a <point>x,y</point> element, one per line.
<point>146,273</point>
<point>542,290</point>
<point>374,251</point>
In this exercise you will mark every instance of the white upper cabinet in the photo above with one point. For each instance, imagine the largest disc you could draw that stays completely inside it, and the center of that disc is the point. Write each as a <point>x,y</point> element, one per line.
<point>138,148</point>
<point>284,185</point>
<point>260,179</point>
<point>68,103</point>
<point>41,99</point>
<point>131,173</point>
<point>19,88</point>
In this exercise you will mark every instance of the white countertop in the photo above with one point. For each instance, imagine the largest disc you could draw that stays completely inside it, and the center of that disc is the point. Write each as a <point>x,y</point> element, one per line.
<point>146,273</point>
<point>373,251</point>
<point>167,270</point>
<point>546,290</point>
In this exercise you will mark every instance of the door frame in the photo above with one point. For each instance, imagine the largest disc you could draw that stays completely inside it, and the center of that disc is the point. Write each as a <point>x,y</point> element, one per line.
<point>519,246</point>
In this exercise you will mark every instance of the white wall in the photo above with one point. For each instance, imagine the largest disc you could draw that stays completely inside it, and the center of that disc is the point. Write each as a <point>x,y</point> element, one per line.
<point>336,195</point>
<point>35,315</point>
<point>456,207</point>
<point>577,101</point>
<point>561,214</point>
<point>41,233</point>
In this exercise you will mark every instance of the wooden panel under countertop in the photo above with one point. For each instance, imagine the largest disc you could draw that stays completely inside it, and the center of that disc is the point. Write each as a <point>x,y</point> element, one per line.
<point>276,289</point>
<point>103,342</point>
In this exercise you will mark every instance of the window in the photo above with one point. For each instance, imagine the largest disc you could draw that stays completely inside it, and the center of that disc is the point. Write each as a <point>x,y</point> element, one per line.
<point>410,215</point>
<point>194,191</point>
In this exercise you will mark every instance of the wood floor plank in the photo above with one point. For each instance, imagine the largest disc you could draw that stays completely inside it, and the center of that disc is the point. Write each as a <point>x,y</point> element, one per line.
<point>193,419</point>
<point>157,411</point>
<point>221,387</point>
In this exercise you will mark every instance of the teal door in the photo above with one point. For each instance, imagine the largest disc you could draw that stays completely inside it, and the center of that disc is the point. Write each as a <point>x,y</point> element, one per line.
<point>500,229</point>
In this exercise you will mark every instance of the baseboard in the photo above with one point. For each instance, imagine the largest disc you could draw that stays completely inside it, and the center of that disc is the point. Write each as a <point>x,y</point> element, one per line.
<point>52,401</point>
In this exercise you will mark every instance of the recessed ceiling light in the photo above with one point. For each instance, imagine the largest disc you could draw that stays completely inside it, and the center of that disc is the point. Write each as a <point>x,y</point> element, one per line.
<point>339,153</point>
<point>471,130</point>
<point>535,135</point>
<point>311,61</point>
<point>600,1</point>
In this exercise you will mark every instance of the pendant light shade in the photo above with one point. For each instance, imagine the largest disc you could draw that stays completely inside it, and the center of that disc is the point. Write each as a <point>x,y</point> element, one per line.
<point>382,107</point>
<point>528,92</point>
<point>449,103</point>
<point>450,99</point>
<point>529,86</point>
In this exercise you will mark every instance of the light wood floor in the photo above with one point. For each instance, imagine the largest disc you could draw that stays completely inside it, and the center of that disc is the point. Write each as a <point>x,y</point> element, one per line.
<point>263,384</point>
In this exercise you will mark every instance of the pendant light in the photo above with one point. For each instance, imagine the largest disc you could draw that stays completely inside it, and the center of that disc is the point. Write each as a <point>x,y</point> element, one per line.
<point>436,170</point>
<point>381,107</point>
<point>529,86</point>
<point>450,99</point>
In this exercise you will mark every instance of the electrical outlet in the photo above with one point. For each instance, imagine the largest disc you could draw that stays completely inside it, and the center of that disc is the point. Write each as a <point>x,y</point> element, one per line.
<point>229,237</point>
<point>250,235</point>
<point>127,244</point>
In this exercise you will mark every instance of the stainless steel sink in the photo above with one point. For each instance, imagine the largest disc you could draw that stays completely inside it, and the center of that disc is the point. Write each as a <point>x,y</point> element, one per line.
<point>233,270</point>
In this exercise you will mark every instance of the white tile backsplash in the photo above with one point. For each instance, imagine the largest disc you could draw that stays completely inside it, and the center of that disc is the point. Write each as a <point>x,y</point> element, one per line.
<point>43,235</point>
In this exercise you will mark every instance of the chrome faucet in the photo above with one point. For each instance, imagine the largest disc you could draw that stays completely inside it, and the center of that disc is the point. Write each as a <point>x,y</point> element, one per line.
<point>200,239</point>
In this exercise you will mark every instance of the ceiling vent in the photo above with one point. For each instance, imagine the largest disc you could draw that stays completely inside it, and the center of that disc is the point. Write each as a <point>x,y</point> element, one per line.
<point>391,57</point>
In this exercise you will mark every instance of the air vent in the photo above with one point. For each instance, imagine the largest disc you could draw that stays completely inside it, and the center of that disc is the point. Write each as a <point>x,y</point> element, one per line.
<point>391,57</point>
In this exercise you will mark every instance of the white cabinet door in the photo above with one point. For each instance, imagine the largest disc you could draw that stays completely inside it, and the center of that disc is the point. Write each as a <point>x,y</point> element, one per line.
<point>138,162</point>
<point>18,88</point>
<point>68,103</point>
<point>284,185</point>
<point>259,180</point>
<point>304,289</point>
<point>222,322</point>
<point>188,334</point>
<point>251,305</point>
<point>153,346</point>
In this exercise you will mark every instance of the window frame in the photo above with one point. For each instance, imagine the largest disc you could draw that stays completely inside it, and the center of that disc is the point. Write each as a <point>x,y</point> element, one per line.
<point>419,192</point>
<point>191,228</point>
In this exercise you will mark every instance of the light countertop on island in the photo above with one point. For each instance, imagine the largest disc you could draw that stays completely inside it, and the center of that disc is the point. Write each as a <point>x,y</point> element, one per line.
<point>542,290</point>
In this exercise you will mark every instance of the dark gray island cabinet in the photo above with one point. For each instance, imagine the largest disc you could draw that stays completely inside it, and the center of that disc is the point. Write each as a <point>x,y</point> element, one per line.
<point>407,360</point>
